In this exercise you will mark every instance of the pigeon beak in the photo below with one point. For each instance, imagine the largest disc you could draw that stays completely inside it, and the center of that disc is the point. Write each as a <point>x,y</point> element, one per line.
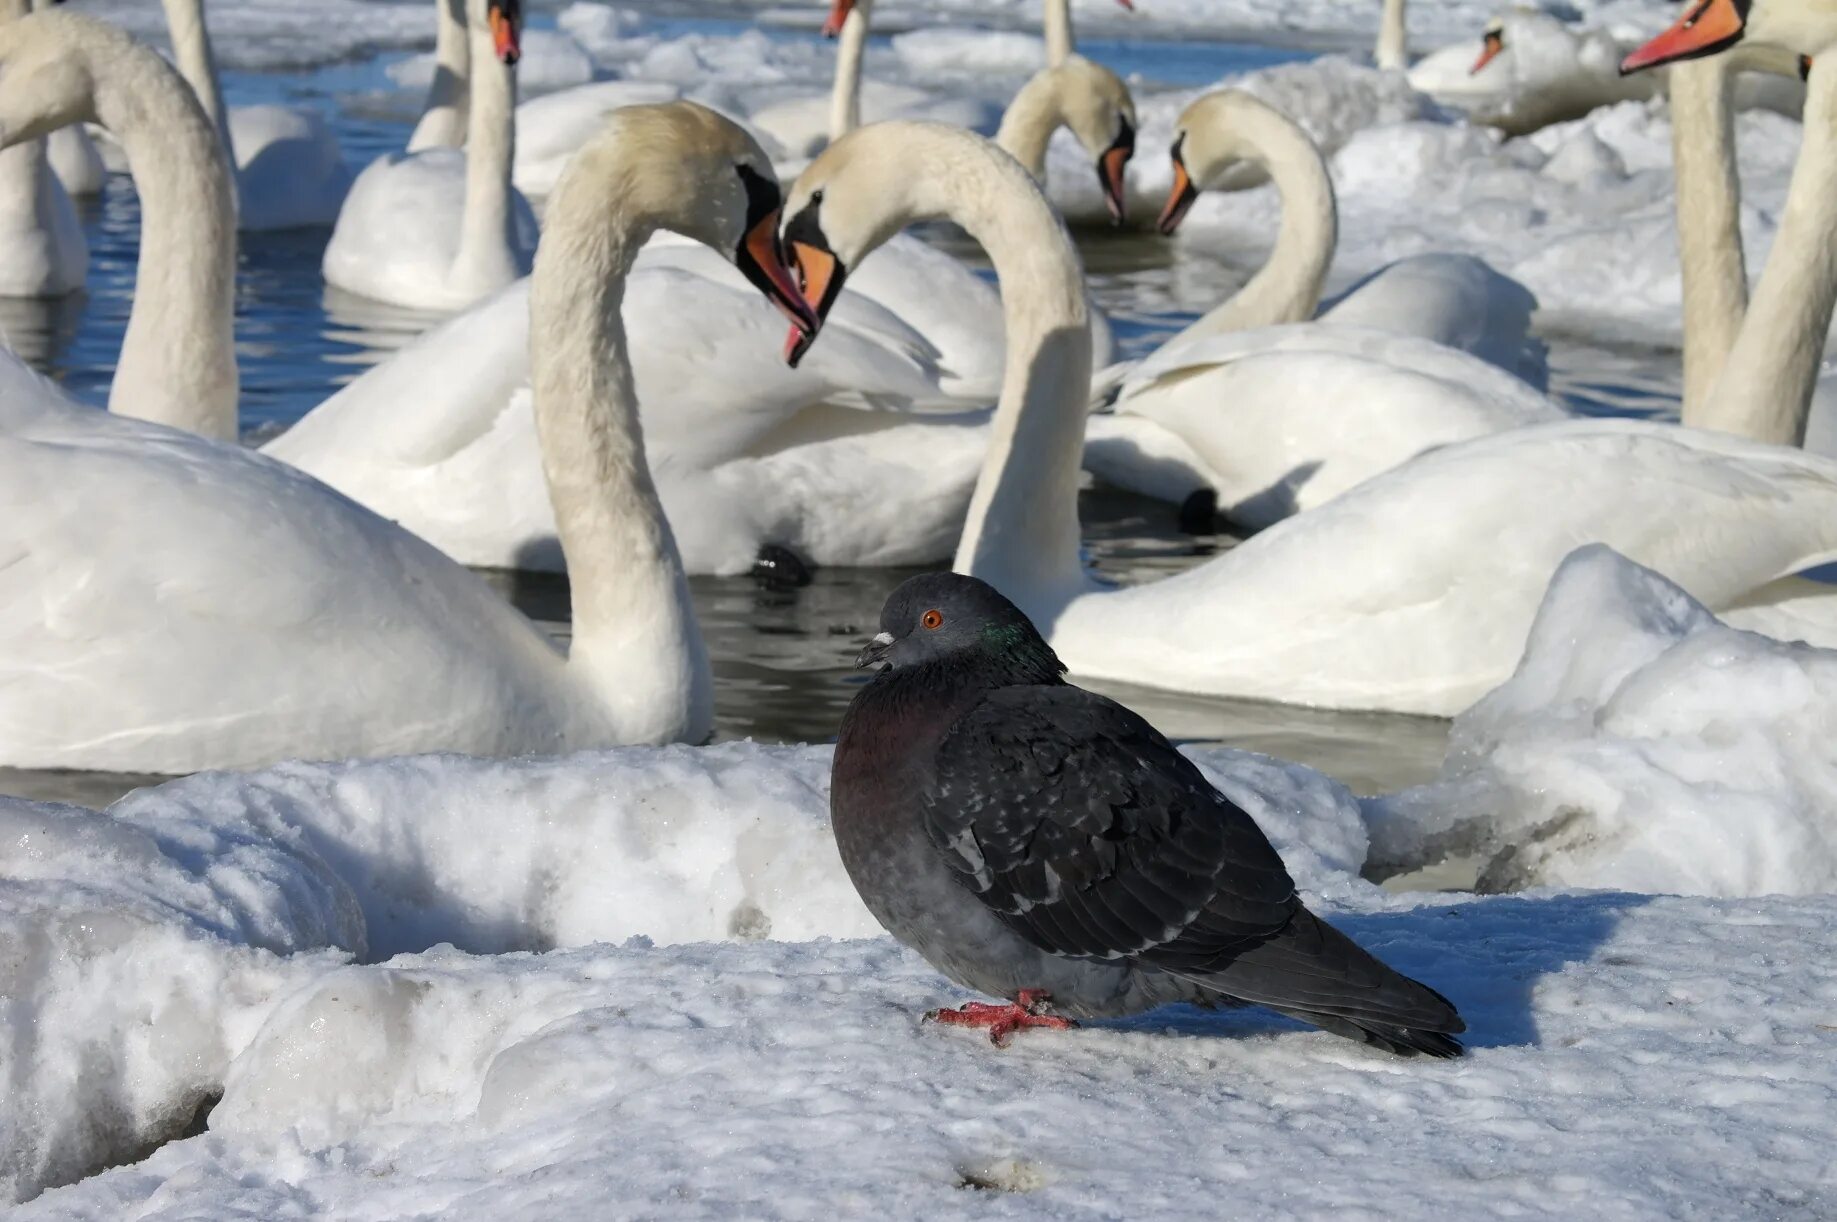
<point>876,651</point>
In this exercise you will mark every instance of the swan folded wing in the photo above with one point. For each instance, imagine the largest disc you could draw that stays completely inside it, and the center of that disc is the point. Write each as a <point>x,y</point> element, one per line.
<point>1083,829</point>
<point>1174,362</point>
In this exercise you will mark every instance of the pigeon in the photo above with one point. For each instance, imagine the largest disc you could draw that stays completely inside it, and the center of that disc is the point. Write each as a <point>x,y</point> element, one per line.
<point>1041,843</point>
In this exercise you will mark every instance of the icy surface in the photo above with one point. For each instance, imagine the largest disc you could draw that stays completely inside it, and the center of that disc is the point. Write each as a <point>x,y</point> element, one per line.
<point>1641,744</point>
<point>135,962</point>
<point>1631,1058</point>
<point>674,844</point>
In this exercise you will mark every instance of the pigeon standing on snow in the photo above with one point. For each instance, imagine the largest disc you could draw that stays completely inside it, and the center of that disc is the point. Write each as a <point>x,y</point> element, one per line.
<point>1043,844</point>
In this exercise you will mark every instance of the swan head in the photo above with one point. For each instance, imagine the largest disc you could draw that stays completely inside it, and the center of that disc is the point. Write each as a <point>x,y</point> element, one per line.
<point>1803,27</point>
<point>838,13</point>
<point>1094,103</point>
<point>504,20</point>
<point>1212,136</point>
<point>44,83</point>
<point>1492,42</point>
<point>680,166</point>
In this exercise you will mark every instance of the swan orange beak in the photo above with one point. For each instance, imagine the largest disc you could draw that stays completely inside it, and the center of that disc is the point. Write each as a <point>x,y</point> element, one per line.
<point>1491,44</point>
<point>1707,27</point>
<point>761,260</point>
<point>504,36</point>
<point>1111,168</point>
<point>838,13</point>
<point>820,274</point>
<point>1128,4</point>
<point>1179,200</point>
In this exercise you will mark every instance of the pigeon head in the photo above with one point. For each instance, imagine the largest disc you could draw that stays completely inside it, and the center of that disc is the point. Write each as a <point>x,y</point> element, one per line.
<point>946,617</point>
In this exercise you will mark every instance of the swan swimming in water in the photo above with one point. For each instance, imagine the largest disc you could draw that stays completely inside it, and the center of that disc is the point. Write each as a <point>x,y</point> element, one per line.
<point>173,603</point>
<point>1412,592</point>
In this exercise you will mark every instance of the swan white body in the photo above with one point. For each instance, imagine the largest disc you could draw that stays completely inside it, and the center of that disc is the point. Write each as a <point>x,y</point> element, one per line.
<point>441,228</point>
<point>42,251</point>
<point>1280,418</point>
<point>1413,591</point>
<point>174,603</point>
<point>75,161</point>
<point>290,172</point>
<point>746,452</point>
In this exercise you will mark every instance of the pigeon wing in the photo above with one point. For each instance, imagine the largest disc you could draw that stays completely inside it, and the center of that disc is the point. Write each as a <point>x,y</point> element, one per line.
<point>1092,837</point>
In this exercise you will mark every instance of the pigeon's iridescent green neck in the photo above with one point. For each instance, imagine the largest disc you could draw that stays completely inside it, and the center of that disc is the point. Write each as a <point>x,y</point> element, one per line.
<point>1023,652</point>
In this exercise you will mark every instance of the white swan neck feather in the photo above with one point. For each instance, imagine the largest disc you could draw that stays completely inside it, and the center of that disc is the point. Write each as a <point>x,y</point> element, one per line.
<point>636,646</point>
<point>1715,277</point>
<point>851,46</point>
<point>1079,94</point>
<point>487,243</point>
<point>1056,25</point>
<point>1022,529</point>
<point>1229,126</point>
<point>178,357</point>
<point>1766,385</point>
<point>191,47</point>
<point>445,113</point>
<point>1392,50</point>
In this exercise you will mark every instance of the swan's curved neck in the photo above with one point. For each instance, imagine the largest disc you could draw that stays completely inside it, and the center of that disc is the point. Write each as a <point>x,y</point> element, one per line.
<point>1287,288</point>
<point>178,358</point>
<point>851,46</point>
<point>630,596</point>
<point>1022,531</point>
<point>1766,385</point>
<point>1709,224</point>
<point>197,63</point>
<point>1056,24</point>
<point>487,241</point>
<point>443,117</point>
<point>1029,122</point>
<point>1393,49</point>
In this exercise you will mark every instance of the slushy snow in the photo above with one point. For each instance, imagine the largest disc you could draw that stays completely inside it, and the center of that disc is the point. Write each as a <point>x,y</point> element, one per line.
<point>1641,744</point>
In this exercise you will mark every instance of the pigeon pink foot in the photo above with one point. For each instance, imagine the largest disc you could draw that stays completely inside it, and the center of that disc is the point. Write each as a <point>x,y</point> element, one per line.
<point>1004,1020</point>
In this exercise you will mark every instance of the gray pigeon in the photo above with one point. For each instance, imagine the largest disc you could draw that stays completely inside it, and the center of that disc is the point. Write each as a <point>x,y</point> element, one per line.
<point>1043,844</point>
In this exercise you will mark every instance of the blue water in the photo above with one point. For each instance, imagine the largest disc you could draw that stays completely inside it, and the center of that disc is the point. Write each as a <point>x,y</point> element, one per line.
<point>781,659</point>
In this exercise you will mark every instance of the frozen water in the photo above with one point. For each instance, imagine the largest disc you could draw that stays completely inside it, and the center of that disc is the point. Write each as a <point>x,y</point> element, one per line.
<point>1641,744</point>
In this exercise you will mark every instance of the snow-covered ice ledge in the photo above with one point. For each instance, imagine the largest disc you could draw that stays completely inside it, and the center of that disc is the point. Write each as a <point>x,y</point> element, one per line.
<point>728,1038</point>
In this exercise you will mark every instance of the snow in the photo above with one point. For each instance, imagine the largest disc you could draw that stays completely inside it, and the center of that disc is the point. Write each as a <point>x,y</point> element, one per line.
<point>268,35</point>
<point>1641,744</point>
<point>1632,1058</point>
<point>135,962</point>
<point>640,976</point>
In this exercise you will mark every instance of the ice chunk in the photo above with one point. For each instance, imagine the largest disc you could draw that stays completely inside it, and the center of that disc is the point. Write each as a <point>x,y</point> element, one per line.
<point>1641,744</point>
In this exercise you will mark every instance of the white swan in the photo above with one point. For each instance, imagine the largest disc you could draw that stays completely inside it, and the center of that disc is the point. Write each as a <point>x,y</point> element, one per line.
<point>178,364</point>
<point>548,128</point>
<point>290,171</point>
<point>442,228</point>
<point>1285,417</point>
<point>173,603</point>
<point>42,251</point>
<point>748,454</point>
<point>1752,368</point>
<point>1412,592</point>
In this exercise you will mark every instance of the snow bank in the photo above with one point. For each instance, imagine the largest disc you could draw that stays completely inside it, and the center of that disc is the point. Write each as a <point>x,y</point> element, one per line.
<point>1631,1059</point>
<point>1640,744</point>
<point>283,34</point>
<point>134,964</point>
<point>673,844</point>
<point>550,60</point>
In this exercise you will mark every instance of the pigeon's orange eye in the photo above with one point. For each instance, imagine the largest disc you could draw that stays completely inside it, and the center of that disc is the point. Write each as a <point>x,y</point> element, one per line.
<point>932,619</point>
